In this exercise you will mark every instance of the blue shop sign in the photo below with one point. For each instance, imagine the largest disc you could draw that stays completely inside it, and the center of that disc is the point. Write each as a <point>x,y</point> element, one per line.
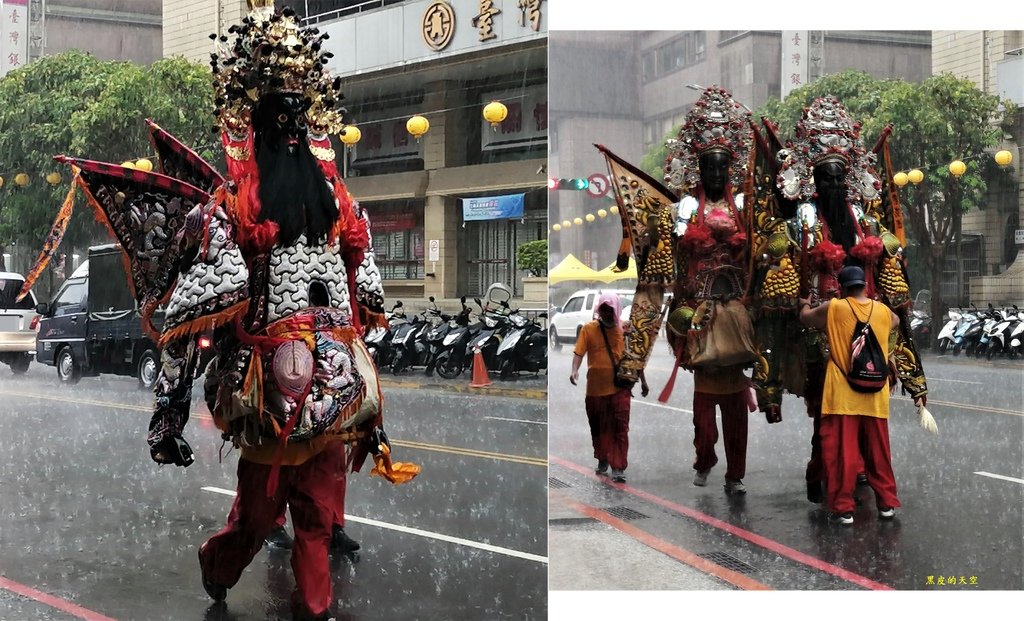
<point>493,207</point>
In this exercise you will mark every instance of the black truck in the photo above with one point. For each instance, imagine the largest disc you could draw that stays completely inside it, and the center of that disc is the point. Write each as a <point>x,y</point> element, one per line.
<point>93,325</point>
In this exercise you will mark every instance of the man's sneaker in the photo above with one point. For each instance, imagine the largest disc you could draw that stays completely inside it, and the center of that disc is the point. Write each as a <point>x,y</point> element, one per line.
<point>886,513</point>
<point>216,592</point>
<point>341,542</point>
<point>602,467</point>
<point>279,538</point>
<point>618,476</point>
<point>701,478</point>
<point>842,518</point>
<point>735,487</point>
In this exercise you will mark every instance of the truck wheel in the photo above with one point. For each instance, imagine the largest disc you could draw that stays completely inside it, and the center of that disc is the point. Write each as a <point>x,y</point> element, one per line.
<point>69,371</point>
<point>148,369</point>
<point>556,345</point>
<point>19,365</point>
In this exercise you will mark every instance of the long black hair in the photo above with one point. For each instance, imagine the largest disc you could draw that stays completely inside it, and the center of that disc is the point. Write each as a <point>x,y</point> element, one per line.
<point>293,190</point>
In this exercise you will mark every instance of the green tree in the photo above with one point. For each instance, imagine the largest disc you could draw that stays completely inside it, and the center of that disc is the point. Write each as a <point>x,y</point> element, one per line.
<point>533,257</point>
<point>77,105</point>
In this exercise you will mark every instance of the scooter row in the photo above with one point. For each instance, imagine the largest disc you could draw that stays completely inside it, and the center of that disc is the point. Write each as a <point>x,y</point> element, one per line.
<point>509,342</point>
<point>989,333</point>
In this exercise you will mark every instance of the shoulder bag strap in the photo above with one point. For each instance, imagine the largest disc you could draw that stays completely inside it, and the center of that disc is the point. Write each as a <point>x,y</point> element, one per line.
<point>615,364</point>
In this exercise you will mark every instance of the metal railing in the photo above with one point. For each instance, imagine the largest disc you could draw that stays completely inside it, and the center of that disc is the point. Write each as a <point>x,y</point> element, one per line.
<point>345,11</point>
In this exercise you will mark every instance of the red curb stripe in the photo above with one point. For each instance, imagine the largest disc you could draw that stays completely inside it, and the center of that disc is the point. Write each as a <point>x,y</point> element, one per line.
<point>52,601</point>
<point>764,542</point>
<point>680,554</point>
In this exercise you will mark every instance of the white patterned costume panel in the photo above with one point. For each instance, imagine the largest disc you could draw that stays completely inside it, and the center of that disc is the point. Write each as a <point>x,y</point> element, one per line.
<point>217,273</point>
<point>294,268</point>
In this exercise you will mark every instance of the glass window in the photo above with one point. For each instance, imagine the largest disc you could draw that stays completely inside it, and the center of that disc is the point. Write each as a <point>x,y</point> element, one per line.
<point>590,301</point>
<point>573,305</point>
<point>9,290</point>
<point>71,299</point>
<point>398,239</point>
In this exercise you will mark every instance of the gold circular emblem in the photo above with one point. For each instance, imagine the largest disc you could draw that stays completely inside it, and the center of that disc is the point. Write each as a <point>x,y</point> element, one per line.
<point>438,25</point>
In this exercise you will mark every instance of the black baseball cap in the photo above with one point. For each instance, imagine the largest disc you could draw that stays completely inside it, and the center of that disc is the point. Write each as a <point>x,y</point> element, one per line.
<point>851,276</point>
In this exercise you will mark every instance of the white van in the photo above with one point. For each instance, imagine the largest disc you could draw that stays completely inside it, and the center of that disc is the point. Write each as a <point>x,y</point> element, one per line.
<point>579,309</point>
<point>17,323</point>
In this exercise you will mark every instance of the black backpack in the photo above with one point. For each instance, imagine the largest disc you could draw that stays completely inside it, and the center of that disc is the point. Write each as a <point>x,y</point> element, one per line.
<point>869,369</point>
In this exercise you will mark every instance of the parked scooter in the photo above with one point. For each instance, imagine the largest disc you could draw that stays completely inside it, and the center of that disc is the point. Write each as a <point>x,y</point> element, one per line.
<point>948,332</point>
<point>379,340</point>
<point>921,328</point>
<point>488,339</point>
<point>976,338</point>
<point>1016,346</point>
<point>524,348</point>
<point>969,322</point>
<point>997,335</point>
<point>452,360</point>
<point>435,337</point>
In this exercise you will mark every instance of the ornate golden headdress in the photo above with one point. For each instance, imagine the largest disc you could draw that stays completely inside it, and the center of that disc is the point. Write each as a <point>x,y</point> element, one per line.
<point>827,133</point>
<point>717,122</point>
<point>271,53</point>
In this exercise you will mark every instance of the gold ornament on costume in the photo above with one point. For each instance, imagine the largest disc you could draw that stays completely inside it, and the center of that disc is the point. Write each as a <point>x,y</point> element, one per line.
<point>271,53</point>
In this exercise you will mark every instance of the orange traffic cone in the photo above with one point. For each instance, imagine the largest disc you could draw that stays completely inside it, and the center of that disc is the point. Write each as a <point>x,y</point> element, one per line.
<point>480,377</point>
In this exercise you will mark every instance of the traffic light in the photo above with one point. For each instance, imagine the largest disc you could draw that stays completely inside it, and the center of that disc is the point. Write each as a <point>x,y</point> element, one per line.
<point>568,184</point>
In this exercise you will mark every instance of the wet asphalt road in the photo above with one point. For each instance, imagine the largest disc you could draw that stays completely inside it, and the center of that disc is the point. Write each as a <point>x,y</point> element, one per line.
<point>955,521</point>
<point>88,518</point>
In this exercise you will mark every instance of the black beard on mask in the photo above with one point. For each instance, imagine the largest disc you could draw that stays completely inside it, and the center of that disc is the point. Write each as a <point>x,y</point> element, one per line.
<point>293,191</point>
<point>832,205</point>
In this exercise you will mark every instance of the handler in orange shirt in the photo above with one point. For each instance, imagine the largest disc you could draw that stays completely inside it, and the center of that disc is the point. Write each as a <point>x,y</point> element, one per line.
<point>847,414</point>
<point>601,341</point>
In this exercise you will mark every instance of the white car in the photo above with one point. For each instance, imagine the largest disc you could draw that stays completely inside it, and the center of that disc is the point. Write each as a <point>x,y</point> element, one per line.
<point>17,323</point>
<point>579,309</point>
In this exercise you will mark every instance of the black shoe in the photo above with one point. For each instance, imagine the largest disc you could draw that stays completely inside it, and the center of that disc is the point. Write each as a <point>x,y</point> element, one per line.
<point>844,519</point>
<point>815,493</point>
<point>862,479</point>
<point>216,592</point>
<point>341,542</point>
<point>602,467</point>
<point>279,538</point>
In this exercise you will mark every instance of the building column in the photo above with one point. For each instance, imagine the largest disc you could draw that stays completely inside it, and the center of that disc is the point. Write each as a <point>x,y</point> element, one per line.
<point>441,222</point>
<point>442,219</point>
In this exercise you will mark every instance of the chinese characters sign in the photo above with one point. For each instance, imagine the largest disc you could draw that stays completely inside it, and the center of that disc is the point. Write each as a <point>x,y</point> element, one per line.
<point>13,35</point>
<point>527,119</point>
<point>484,22</point>
<point>794,60</point>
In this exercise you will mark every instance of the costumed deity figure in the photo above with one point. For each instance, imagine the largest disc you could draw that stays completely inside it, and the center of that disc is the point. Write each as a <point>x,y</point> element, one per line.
<point>828,209</point>
<point>699,245</point>
<point>277,261</point>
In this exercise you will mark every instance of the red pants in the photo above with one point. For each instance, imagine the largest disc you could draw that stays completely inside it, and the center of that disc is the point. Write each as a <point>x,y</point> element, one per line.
<point>338,506</point>
<point>734,431</point>
<point>609,427</point>
<point>841,450</point>
<point>309,489</point>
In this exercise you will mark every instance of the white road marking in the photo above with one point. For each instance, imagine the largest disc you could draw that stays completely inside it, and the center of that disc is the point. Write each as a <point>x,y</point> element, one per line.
<point>999,476</point>
<point>518,420</point>
<point>942,379</point>
<point>660,405</point>
<point>422,533</point>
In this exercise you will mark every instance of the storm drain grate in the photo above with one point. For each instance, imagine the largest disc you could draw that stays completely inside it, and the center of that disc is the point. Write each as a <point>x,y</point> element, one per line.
<point>729,562</point>
<point>571,521</point>
<point>557,483</point>
<point>625,513</point>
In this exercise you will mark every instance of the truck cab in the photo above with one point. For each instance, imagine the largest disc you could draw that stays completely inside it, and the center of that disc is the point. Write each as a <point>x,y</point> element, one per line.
<point>93,325</point>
